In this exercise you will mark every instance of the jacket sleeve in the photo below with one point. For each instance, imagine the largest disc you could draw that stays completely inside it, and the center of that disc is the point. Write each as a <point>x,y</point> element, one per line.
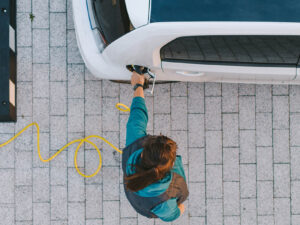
<point>167,211</point>
<point>137,122</point>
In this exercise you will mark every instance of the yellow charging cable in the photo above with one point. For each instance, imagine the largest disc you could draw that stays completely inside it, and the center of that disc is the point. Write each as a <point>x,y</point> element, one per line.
<point>80,141</point>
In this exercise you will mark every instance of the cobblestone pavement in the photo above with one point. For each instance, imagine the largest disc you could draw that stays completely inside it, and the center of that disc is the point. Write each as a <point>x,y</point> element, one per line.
<point>240,143</point>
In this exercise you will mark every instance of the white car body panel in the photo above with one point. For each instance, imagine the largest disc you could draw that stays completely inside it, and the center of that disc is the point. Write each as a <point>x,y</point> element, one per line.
<point>142,47</point>
<point>138,11</point>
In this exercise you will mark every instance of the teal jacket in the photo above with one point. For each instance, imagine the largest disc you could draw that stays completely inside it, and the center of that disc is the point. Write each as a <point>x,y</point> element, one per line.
<point>136,128</point>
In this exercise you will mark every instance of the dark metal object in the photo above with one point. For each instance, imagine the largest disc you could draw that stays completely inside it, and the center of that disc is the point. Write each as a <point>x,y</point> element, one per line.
<point>8,60</point>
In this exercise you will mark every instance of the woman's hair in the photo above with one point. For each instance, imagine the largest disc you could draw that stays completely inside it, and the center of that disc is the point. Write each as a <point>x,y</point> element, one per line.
<point>158,157</point>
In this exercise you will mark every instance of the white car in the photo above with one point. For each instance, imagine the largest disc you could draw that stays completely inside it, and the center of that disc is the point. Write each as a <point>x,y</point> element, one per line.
<point>250,41</point>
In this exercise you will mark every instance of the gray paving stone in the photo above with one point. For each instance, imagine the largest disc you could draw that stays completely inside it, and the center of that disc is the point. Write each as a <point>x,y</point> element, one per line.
<point>196,130</point>
<point>214,147</point>
<point>23,170</point>
<point>264,129</point>
<point>281,146</point>
<point>128,221</point>
<point>214,212</point>
<point>110,115</point>
<point>263,98</point>
<point>197,199</point>
<point>214,185</point>
<point>295,197</point>
<point>247,146</point>
<point>264,163</point>
<point>162,124</point>
<point>282,183</point>
<point>111,213</point>
<point>7,214</point>
<point>195,97</point>
<point>150,108</point>
<point>59,203</point>
<point>58,29</point>
<point>59,222</point>
<point>247,112</point>
<point>248,180</point>
<point>58,6</point>
<point>73,51</point>
<point>93,125</point>
<point>110,156</point>
<point>24,222</point>
<point>41,213</point>
<point>265,198</point>
<point>231,198</point>
<point>40,113</point>
<point>75,81</point>
<point>94,221</point>
<point>58,68</point>
<point>213,113</point>
<point>232,220</point>
<point>123,122</point>
<point>162,99</point>
<point>24,142</point>
<point>280,90</point>
<point>58,132</point>
<point>76,215</point>
<point>70,23</point>
<point>7,186</point>
<point>246,89</point>
<point>126,210</point>
<point>178,113</point>
<point>231,164</point>
<point>280,112</point>
<point>58,100</point>
<point>58,169</point>
<point>41,184</point>
<point>72,149</point>
<point>180,137</point>
<point>294,98</point>
<point>248,211</point>
<point>282,211</point>
<point>23,195</point>
<point>230,98</point>
<point>75,115</point>
<point>75,186</point>
<point>111,89</point>
<point>40,9</point>
<point>24,63</point>
<point>294,129</point>
<point>93,98</point>
<point>265,220</point>
<point>111,183</point>
<point>24,99</point>
<point>40,80</point>
<point>40,46</point>
<point>24,35</point>
<point>295,219</point>
<point>7,154</point>
<point>295,163</point>
<point>196,165</point>
<point>197,220</point>
<point>91,164</point>
<point>230,130</point>
<point>213,89</point>
<point>179,89</point>
<point>24,6</point>
<point>44,150</point>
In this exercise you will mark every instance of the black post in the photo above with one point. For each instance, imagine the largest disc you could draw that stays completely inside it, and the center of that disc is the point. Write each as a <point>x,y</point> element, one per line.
<point>8,62</point>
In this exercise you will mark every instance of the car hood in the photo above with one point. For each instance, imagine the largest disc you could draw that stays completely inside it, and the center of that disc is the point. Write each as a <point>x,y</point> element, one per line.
<point>138,11</point>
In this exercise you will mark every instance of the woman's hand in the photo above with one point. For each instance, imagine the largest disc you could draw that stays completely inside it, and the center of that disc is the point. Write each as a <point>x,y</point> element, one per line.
<point>181,208</point>
<point>137,79</point>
